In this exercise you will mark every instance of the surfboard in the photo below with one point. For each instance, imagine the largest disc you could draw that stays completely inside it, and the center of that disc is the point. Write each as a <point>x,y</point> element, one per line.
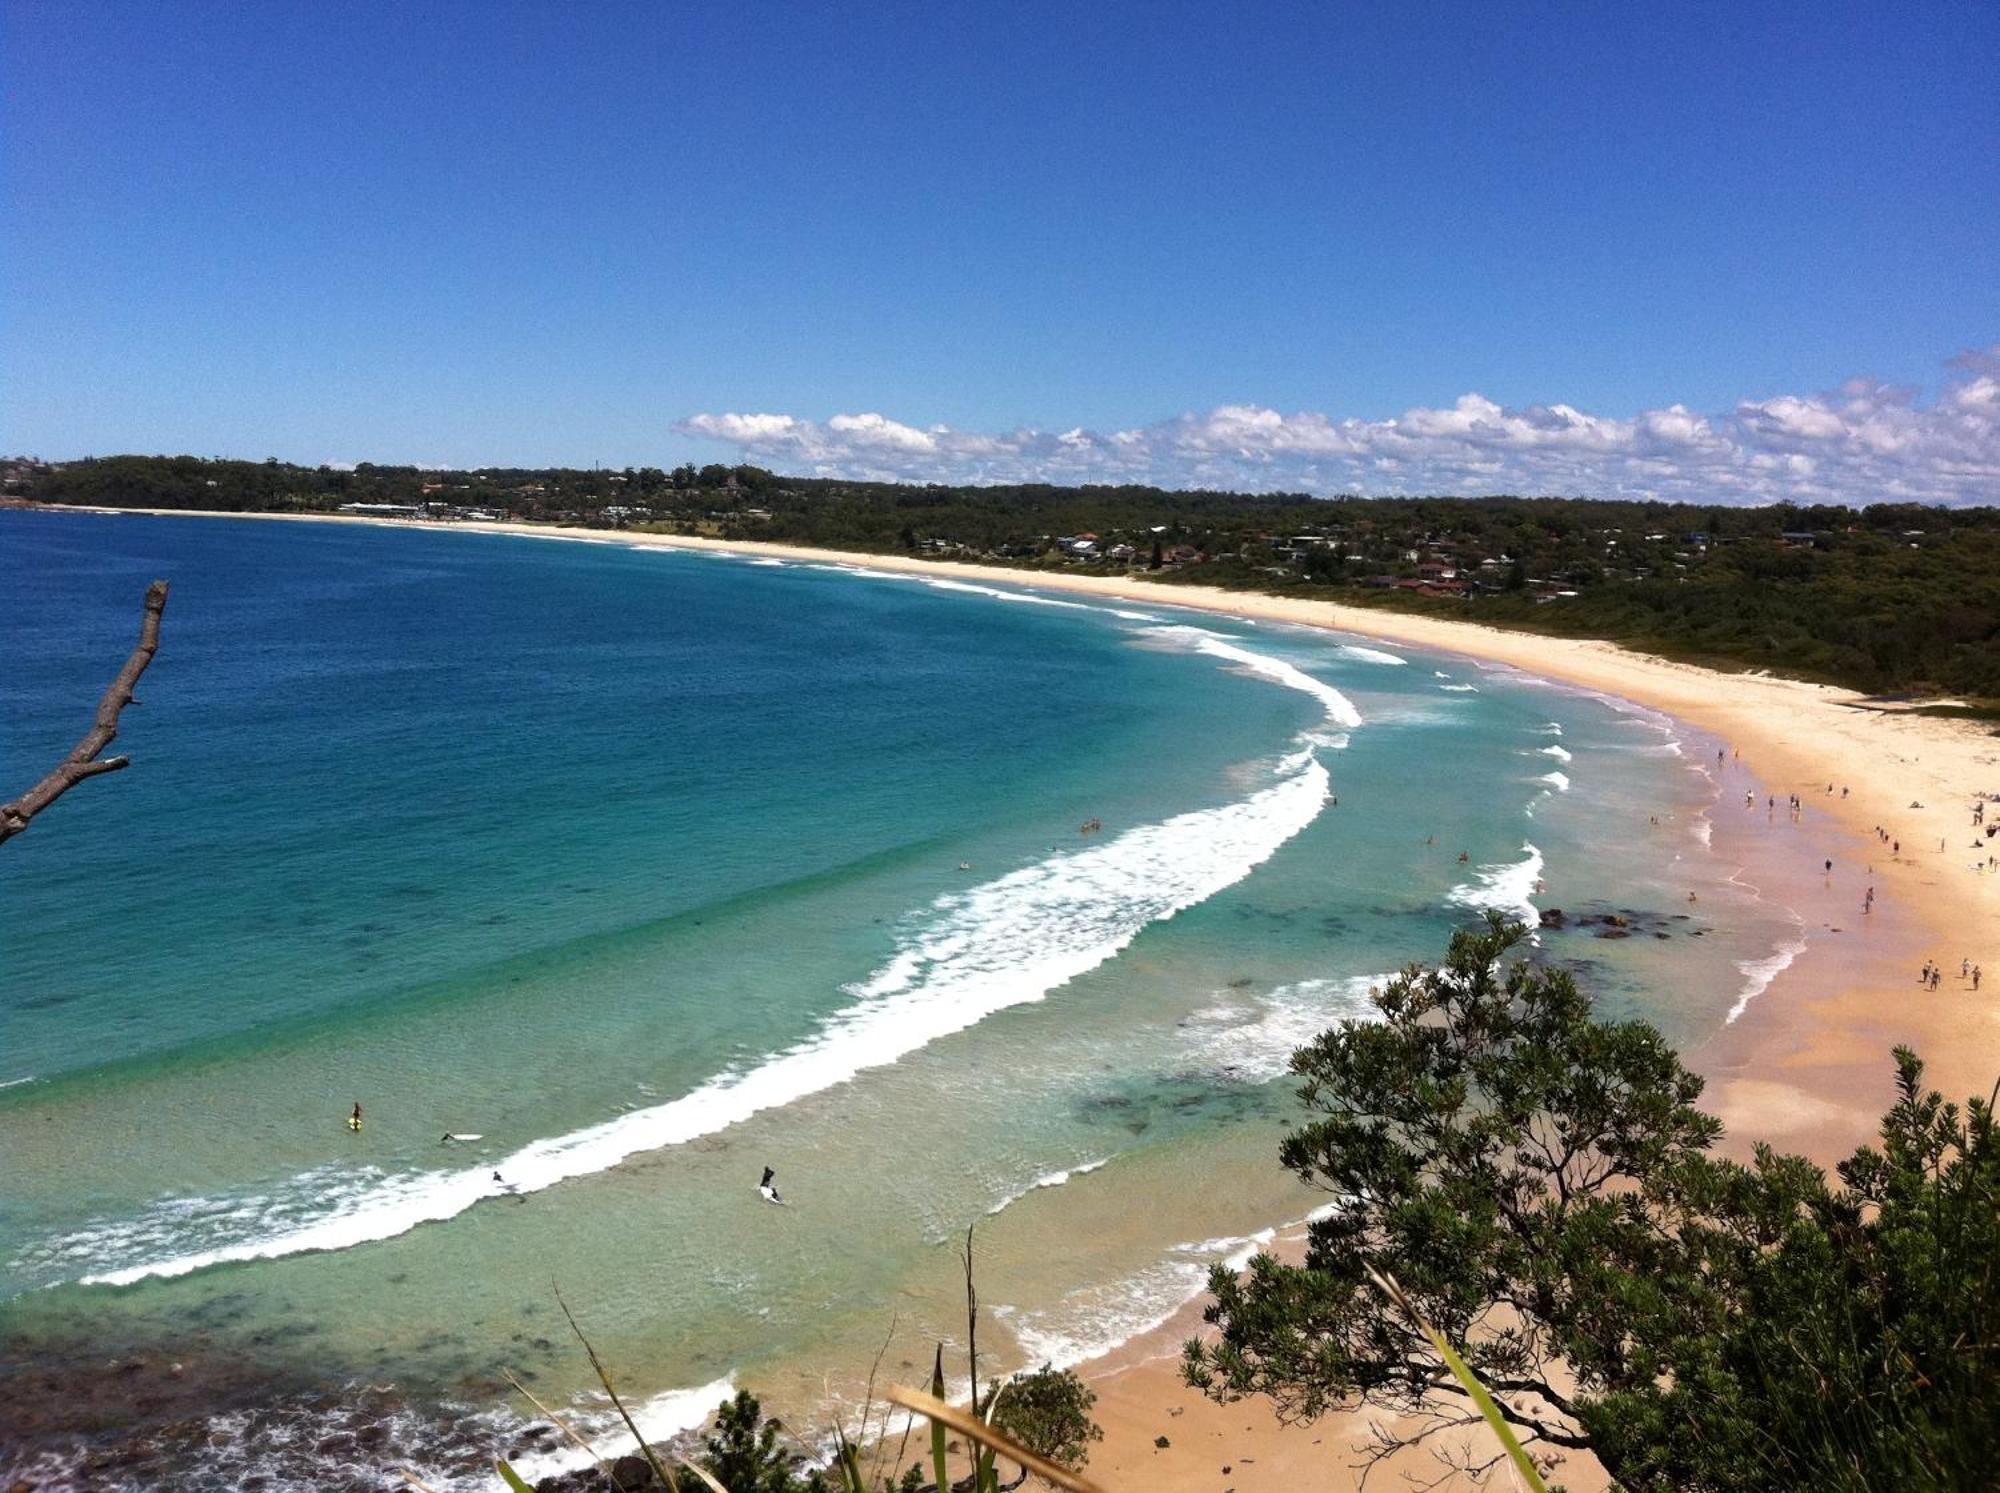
<point>455,1136</point>
<point>352,1123</point>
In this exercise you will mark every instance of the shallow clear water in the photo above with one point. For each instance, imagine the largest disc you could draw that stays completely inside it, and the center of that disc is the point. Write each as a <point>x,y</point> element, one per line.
<point>653,868</point>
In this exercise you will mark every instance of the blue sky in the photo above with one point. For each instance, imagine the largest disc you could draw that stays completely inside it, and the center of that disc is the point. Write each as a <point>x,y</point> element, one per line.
<point>509,233</point>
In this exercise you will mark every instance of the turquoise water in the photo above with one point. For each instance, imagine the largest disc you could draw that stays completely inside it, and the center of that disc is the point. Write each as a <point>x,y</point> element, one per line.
<point>652,868</point>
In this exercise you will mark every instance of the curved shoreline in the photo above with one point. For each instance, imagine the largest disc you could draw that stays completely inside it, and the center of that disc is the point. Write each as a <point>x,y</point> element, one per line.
<point>1913,775</point>
<point>1806,1066</point>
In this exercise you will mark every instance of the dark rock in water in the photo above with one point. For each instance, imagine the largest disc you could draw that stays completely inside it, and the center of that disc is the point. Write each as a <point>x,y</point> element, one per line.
<point>1552,917</point>
<point>633,1474</point>
<point>1612,933</point>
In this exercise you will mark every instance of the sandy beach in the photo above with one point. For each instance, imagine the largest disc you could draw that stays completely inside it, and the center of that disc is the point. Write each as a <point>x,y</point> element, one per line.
<point>1806,1064</point>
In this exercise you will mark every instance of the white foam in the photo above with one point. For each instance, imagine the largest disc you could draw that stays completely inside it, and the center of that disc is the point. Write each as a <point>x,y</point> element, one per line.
<point>1051,1179</point>
<point>1256,1041</point>
<point>938,583</point>
<point>1759,973</point>
<point>659,1418</point>
<point>1556,752</point>
<point>1557,780</point>
<point>1506,886</point>
<point>1553,728</point>
<point>873,575</point>
<point>13,1082</point>
<point>1339,709</point>
<point>773,564</point>
<point>1370,655</point>
<point>1461,689</point>
<point>1099,1319</point>
<point>968,956</point>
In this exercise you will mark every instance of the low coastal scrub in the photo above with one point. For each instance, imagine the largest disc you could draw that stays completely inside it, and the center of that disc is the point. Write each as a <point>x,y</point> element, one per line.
<point>1039,1420</point>
<point>1540,1185</point>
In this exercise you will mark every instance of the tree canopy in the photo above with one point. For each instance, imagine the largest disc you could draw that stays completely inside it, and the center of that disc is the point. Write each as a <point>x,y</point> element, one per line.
<point>1541,1184</point>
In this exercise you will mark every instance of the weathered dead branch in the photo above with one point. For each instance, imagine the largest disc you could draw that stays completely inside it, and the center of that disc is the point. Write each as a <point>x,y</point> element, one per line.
<point>82,761</point>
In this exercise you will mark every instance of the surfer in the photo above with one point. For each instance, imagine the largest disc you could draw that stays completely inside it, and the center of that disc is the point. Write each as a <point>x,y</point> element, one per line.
<point>354,1120</point>
<point>765,1190</point>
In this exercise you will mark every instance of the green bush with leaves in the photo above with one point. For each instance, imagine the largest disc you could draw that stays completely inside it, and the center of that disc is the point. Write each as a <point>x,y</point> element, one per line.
<point>743,1452</point>
<point>1048,1412</point>
<point>1539,1183</point>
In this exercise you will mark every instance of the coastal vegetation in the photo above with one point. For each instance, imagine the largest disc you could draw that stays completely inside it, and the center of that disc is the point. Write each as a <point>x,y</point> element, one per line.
<point>1040,1419</point>
<point>1539,1182</point>
<point>1532,1250</point>
<point>1884,597</point>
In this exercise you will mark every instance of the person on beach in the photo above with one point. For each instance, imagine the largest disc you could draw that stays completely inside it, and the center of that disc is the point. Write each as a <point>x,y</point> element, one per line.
<point>1975,977</point>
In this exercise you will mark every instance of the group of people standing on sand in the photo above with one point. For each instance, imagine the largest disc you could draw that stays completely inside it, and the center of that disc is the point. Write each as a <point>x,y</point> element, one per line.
<point>1985,835</point>
<point>1931,975</point>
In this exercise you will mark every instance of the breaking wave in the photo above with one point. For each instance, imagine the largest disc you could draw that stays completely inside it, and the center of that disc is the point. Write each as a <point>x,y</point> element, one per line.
<point>1370,655</point>
<point>1050,1179</point>
<point>1506,886</point>
<point>968,956</point>
<point>1339,709</point>
<point>1759,973</point>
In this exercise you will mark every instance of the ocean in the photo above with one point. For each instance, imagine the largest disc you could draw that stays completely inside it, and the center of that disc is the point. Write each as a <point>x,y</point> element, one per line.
<point>957,905</point>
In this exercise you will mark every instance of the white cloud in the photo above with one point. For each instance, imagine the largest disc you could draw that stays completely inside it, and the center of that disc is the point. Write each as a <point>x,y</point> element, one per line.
<point>1863,442</point>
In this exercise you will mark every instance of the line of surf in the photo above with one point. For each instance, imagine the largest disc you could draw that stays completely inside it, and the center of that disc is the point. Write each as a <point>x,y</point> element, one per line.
<point>970,955</point>
<point>1049,1179</point>
<point>1759,973</point>
<point>1506,886</point>
<point>1339,709</point>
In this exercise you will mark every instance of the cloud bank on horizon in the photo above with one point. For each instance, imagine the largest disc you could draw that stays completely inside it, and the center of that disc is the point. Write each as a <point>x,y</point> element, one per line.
<point>1864,442</point>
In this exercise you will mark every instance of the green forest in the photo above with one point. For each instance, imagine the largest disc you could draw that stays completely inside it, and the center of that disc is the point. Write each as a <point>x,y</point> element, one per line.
<point>1890,598</point>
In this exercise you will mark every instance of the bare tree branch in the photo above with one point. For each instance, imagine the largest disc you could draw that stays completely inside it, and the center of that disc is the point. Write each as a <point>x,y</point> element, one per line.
<point>82,761</point>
